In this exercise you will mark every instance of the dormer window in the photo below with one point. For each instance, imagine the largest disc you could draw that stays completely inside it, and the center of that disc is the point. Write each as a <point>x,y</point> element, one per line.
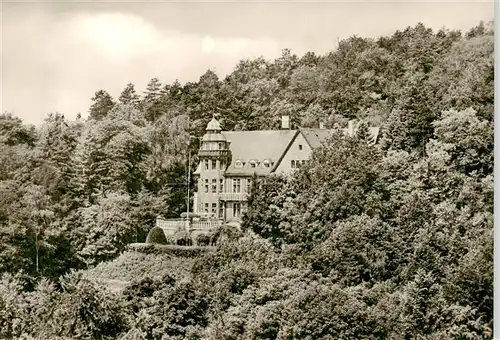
<point>267,163</point>
<point>253,164</point>
<point>238,164</point>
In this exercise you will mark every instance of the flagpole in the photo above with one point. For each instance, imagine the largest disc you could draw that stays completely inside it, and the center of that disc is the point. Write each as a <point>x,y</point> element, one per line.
<point>188,178</point>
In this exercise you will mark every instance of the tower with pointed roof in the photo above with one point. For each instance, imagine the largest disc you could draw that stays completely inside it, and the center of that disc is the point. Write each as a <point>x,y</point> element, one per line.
<point>214,156</point>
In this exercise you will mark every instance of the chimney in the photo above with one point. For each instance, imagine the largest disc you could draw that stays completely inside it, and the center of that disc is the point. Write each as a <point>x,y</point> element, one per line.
<point>350,128</point>
<point>321,125</point>
<point>285,122</point>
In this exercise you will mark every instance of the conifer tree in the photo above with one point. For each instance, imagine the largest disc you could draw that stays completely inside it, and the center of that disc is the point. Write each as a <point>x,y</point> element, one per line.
<point>153,100</point>
<point>102,103</point>
<point>129,96</point>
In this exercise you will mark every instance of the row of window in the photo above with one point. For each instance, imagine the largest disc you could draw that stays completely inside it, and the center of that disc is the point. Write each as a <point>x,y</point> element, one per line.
<point>213,163</point>
<point>212,187</point>
<point>236,209</point>
<point>297,163</point>
<point>214,210</point>
<point>213,146</point>
<point>254,164</point>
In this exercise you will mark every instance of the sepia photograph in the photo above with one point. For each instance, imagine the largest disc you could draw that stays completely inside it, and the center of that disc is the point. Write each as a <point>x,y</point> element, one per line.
<point>247,170</point>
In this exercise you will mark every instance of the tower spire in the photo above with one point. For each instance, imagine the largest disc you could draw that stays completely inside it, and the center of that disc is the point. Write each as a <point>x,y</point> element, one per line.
<point>213,126</point>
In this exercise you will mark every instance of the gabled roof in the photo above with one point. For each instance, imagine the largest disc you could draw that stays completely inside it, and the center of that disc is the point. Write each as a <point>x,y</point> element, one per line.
<point>271,145</point>
<point>313,137</point>
<point>257,145</point>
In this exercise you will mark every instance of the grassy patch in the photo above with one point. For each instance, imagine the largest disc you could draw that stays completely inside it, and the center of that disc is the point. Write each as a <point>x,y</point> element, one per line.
<point>134,265</point>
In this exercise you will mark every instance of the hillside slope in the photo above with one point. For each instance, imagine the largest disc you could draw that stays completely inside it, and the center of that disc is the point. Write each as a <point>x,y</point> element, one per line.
<point>130,265</point>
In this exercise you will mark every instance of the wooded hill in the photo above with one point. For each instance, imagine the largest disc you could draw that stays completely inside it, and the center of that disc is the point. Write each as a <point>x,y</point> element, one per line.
<point>391,241</point>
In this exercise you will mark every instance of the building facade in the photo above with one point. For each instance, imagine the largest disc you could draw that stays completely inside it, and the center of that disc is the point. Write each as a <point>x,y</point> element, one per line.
<point>230,159</point>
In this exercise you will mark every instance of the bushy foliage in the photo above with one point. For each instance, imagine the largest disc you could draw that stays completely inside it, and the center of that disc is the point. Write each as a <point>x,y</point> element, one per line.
<point>388,241</point>
<point>72,308</point>
<point>410,222</point>
<point>156,236</point>
<point>164,307</point>
<point>203,240</point>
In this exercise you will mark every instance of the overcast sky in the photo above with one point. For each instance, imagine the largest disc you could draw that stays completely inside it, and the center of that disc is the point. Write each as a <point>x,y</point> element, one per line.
<point>55,55</point>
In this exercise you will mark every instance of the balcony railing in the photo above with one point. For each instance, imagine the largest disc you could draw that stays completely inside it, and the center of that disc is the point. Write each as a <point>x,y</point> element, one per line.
<point>177,224</point>
<point>233,196</point>
<point>205,225</point>
<point>171,224</point>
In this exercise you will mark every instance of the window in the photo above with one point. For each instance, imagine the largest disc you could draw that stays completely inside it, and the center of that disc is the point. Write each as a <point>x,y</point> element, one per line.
<point>236,185</point>
<point>214,208</point>
<point>206,208</point>
<point>222,165</point>
<point>206,164</point>
<point>206,185</point>
<point>300,146</point>
<point>221,211</point>
<point>238,164</point>
<point>253,164</point>
<point>214,164</point>
<point>214,185</point>
<point>236,209</point>
<point>221,146</point>
<point>221,185</point>
<point>267,163</point>
<point>249,185</point>
<point>297,163</point>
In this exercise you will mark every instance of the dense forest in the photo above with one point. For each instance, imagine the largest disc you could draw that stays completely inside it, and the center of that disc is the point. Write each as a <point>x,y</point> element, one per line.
<point>392,241</point>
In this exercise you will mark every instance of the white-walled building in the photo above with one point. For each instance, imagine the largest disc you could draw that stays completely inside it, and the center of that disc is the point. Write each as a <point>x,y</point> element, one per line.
<point>229,160</point>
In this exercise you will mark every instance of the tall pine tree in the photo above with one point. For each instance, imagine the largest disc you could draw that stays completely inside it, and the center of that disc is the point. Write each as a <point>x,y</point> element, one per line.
<point>102,103</point>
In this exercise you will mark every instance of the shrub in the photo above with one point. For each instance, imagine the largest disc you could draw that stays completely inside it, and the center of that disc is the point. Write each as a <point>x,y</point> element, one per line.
<point>156,236</point>
<point>203,240</point>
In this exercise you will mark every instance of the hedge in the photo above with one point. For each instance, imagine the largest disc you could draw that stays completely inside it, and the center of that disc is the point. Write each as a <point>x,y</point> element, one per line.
<point>156,236</point>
